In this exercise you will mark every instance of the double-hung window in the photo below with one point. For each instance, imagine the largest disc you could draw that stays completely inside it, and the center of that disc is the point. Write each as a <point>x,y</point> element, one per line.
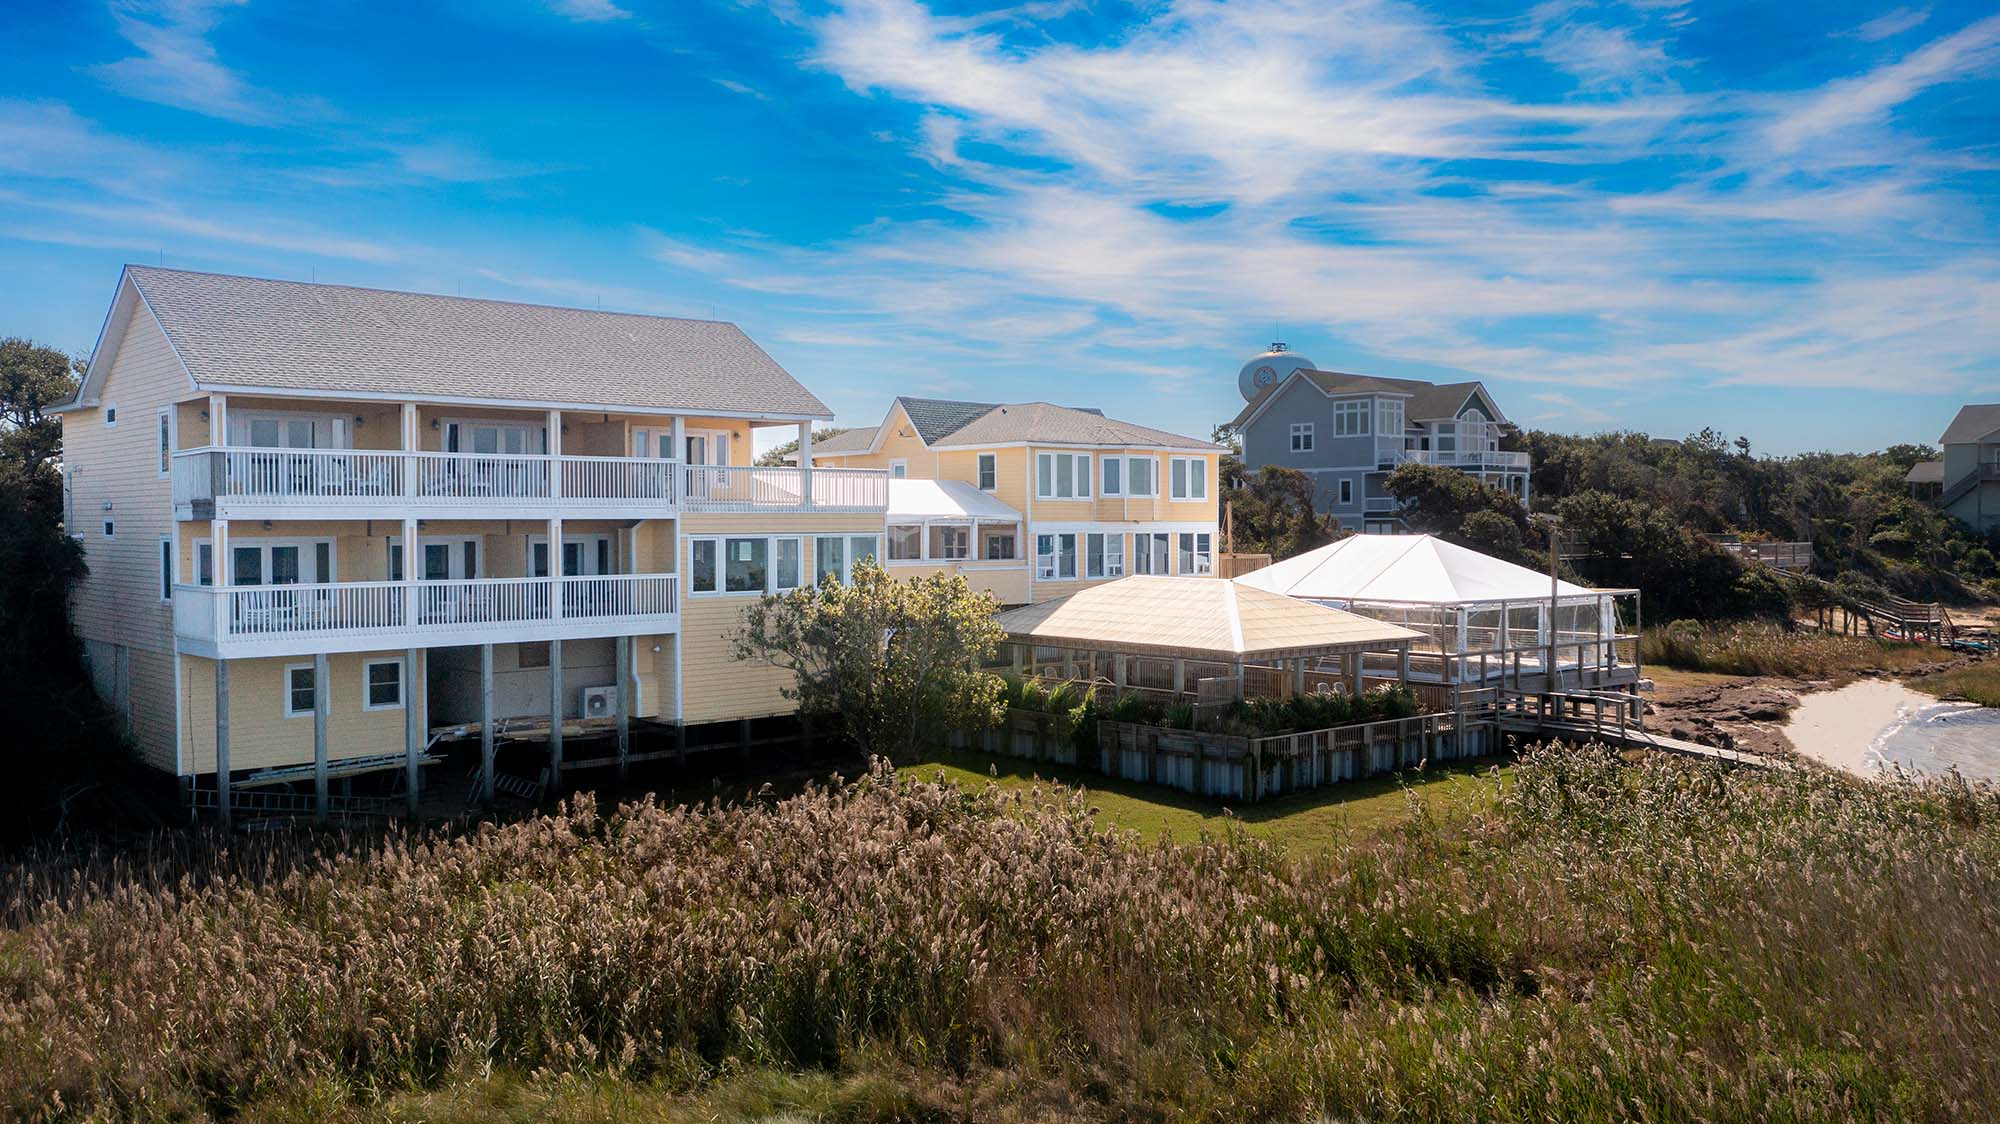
<point>1055,556</point>
<point>299,690</point>
<point>989,471</point>
<point>1113,483</point>
<point>1190,478</point>
<point>1062,476</point>
<point>1350,419</point>
<point>1389,417</point>
<point>1142,476</point>
<point>1346,491</point>
<point>1302,437</point>
<point>787,569</point>
<point>1196,553</point>
<point>1104,555</point>
<point>382,685</point>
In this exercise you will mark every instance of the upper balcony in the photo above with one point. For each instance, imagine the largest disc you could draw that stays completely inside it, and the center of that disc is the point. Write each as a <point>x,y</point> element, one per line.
<point>271,483</point>
<point>1483,460</point>
<point>282,620</point>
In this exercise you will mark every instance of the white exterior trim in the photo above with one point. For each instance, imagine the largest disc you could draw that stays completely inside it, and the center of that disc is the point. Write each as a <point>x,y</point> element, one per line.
<point>402,688</point>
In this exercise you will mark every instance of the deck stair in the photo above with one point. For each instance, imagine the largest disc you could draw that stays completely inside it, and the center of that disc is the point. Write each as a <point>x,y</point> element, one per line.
<point>1604,717</point>
<point>1898,618</point>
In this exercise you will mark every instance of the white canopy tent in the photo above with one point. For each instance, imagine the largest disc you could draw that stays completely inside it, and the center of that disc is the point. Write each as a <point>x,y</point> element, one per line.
<point>940,520</point>
<point>1469,604</point>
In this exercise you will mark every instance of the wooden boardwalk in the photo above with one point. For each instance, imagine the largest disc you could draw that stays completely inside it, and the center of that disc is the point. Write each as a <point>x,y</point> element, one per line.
<point>1631,736</point>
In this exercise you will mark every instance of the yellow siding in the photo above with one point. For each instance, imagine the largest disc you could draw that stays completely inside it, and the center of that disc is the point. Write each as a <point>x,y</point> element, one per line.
<point>1007,582</point>
<point>261,737</point>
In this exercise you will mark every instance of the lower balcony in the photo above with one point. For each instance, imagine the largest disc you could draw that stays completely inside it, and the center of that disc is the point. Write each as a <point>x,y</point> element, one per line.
<point>282,620</point>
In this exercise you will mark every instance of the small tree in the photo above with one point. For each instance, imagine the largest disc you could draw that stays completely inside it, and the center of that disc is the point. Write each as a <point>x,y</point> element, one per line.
<point>899,661</point>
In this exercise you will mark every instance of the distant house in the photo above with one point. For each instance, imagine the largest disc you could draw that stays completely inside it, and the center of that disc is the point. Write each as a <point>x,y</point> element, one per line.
<point>1925,479</point>
<point>1033,501</point>
<point>1348,432</point>
<point>1971,476</point>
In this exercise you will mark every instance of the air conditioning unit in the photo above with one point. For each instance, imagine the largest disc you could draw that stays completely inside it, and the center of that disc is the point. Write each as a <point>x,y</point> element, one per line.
<point>600,702</point>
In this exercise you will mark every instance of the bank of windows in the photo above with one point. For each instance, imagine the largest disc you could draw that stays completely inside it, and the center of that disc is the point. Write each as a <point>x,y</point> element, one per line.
<point>989,471</point>
<point>1302,437</point>
<point>1197,552</point>
<point>1062,476</point>
<point>1389,417</point>
<point>1102,555</point>
<point>759,564</point>
<point>1350,419</point>
<point>1137,477</point>
<point>1189,478</point>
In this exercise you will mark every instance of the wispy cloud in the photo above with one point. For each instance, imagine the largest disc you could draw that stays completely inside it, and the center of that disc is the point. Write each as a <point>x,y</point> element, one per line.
<point>1888,25</point>
<point>746,90</point>
<point>178,66</point>
<point>589,11</point>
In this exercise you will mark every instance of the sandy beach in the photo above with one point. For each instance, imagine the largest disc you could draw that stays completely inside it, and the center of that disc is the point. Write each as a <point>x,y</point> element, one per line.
<point>1868,725</point>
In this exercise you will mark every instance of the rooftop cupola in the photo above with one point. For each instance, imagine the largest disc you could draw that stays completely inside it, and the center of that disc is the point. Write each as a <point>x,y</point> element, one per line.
<point>1268,369</point>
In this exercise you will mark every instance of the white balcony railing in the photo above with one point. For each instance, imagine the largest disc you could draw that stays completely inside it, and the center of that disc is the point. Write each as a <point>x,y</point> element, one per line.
<point>360,615</point>
<point>720,488</point>
<point>302,479</point>
<point>1487,459</point>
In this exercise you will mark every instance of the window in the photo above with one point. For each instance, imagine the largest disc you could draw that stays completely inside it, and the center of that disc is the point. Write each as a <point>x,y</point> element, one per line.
<point>110,416</point>
<point>166,568</point>
<point>1195,553</point>
<point>746,565</point>
<point>1000,545</point>
<point>1302,437</point>
<point>951,542</point>
<point>1062,476</point>
<point>395,561</point>
<point>384,685</point>
<point>1113,483</point>
<point>1104,555</point>
<point>1346,491</point>
<point>1055,556</point>
<point>829,559</point>
<point>1142,476</point>
<point>1149,553</point>
<point>166,428</point>
<point>204,563</point>
<point>298,690</point>
<point>861,548</point>
<point>701,565</point>
<point>110,528</point>
<point>1190,479</point>
<point>906,541</point>
<point>899,469</point>
<point>989,471</point>
<point>1350,419</point>
<point>1389,417</point>
<point>790,559</point>
<point>1445,440</point>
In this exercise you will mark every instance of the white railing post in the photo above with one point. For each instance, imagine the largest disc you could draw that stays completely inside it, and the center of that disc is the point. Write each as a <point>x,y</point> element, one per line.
<point>553,445</point>
<point>806,462</point>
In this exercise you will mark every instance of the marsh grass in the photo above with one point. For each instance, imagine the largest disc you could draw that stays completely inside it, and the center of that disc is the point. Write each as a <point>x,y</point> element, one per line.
<point>1762,648</point>
<point>1603,941</point>
<point>1978,683</point>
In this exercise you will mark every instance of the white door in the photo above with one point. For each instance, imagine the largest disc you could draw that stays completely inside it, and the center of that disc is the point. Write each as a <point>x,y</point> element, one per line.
<point>706,449</point>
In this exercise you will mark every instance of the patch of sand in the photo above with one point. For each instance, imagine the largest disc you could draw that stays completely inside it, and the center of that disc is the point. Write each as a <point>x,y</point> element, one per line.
<point>1838,726</point>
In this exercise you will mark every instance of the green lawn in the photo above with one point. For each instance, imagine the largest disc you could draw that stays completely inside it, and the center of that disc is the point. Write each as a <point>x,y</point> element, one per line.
<point>1305,821</point>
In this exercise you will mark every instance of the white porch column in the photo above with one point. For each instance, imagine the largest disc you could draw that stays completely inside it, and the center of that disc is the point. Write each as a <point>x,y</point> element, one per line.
<point>218,419</point>
<point>412,560</point>
<point>1357,676</point>
<point>806,462</point>
<point>680,452</point>
<point>320,692</point>
<point>222,791</point>
<point>556,573</point>
<point>1299,676</point>
<point>410,444</point>
<point>623,647</point>
<point>554,423</point>
<point>1403,665</point>
<point>1180,675</point>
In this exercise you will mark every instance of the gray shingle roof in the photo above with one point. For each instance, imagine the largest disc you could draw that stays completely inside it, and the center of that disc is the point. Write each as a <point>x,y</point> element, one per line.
<point>852,441</point>
<point>1925,472</point>
<point>1972,423</point>
<point>938,418</point>
<point>252,332</point>
<point>1426,399</point>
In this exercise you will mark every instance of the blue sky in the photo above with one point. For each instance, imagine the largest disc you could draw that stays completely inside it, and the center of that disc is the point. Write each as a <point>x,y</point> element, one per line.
<point>1777,219</point>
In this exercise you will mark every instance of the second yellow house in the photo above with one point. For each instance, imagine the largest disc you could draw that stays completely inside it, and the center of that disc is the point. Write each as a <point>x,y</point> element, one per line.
<point>1033,501</point>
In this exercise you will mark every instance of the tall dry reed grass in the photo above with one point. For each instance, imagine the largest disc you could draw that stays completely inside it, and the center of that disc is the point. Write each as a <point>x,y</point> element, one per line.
<point>1658,942</point>
<point>1762,648</point>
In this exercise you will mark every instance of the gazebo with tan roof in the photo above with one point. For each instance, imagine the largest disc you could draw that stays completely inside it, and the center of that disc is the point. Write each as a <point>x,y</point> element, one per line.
<point>1150,623</point>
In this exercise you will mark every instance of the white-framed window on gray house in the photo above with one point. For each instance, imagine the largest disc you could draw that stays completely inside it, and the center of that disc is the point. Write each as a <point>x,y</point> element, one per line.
<point>382,685</point>
<point>989,471</point>
<point>1350,419</point>
<point>299,689</point>
<point>1113,477</point>
<point>1055,556</point>
<point>1190,478</point>
<point>1197,553</point>
<point>1062,476</point>
<point>165,428</point>
<point>1346,491</point>
<point>166,567</point>
<point>1444,439</point>
<point>1389,417</point>
<point>1142,477</point>
<point>1302,437</point>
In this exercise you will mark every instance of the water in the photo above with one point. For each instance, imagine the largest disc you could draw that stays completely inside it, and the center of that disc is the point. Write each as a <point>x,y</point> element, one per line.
<point>1934,737</point>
